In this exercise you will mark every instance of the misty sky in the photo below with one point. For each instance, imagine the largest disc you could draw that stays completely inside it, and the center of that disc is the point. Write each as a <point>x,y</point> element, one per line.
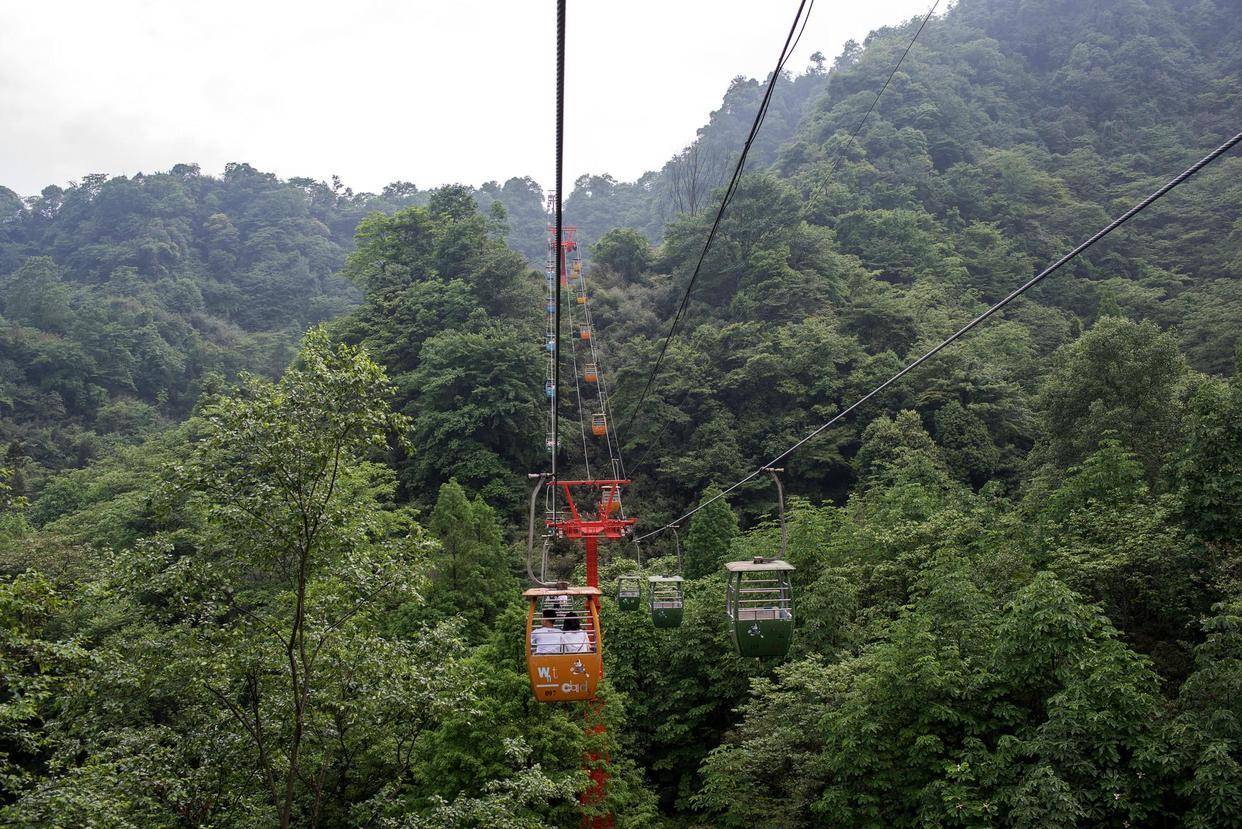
<point>380,90</point>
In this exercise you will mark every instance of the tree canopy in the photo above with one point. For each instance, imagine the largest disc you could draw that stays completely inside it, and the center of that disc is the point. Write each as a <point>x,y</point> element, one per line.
<point>264,479</point>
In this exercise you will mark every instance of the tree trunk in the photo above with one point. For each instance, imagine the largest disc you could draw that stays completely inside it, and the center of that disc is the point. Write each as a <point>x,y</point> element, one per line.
<point>299,685</point>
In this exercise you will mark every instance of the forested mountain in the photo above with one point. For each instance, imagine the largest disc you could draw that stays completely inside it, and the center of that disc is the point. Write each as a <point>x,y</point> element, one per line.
<point>685,184</point>
<point>1017,584</point>
<point>121,296</point>
<point>984,161</point>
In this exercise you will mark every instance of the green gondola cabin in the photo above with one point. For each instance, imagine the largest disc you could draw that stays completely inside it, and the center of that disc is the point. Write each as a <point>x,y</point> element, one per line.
<point>666,600</point>
<point>759,603</point>
<point>629,592</point>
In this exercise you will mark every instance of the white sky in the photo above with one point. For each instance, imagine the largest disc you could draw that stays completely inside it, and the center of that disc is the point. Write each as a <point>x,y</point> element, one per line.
<point>429,91</point>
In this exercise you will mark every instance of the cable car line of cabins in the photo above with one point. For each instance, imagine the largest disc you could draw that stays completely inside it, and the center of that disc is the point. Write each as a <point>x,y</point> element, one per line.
<point>565,641</point>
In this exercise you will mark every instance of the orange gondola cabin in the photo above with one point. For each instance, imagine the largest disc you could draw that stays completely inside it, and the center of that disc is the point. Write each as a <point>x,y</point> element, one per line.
<point>563,668</point>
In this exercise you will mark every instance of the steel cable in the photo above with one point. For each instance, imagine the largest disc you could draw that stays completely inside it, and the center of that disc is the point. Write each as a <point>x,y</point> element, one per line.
<point>974,323</point>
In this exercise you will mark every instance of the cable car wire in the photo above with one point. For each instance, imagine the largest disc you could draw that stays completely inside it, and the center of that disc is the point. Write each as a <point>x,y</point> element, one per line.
<point>854,135</point>
<point>974,323</point>
<point>786,51</point>
<point>582,418</point>
<point>560,230</point>
<point>760,115</point>
<point>831,169</point>
<point>610,433</point>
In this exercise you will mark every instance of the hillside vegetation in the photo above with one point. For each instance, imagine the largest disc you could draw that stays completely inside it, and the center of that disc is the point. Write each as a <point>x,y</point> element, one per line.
<point>121,298</point>
<point>290,595</point>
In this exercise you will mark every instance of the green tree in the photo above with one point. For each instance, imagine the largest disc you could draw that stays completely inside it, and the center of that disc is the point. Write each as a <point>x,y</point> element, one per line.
<point>1206,735</point>
<point>13,505</point>
<point>680,687</point>
<point>625,251</point>
<point>966,444</point>
<point>471,574</point>
<point>898,243</point>
<point>1107,536</point>
<point>1121,379</point>
<point>33,666</point>
<point>1209,465</point>
<point>1028,714</point>
<point>278,472</point>
<point>474,414</point>
<point>393,251</point>
<point>453,201</point>
<point>36,295</point>
<point>711,534</point>
<point>899,449</point>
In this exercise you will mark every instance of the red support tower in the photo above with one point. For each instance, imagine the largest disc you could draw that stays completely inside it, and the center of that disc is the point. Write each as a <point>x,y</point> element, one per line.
<point>569,245</point>
<point>605,522</point>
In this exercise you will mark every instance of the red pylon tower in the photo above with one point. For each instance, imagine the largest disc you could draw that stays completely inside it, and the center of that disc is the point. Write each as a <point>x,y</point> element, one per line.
<point>574,524</point>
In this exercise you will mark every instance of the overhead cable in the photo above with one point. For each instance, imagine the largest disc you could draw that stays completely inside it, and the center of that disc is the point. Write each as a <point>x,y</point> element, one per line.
<point>854,135</point>
<point>560,230</point>
<point>786,50</point>
<point>836,159</point>
<point>974,323</point>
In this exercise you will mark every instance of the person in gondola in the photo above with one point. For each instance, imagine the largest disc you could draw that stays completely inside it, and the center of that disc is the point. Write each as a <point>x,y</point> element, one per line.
<point>547,638</point>
<point>576,640</point>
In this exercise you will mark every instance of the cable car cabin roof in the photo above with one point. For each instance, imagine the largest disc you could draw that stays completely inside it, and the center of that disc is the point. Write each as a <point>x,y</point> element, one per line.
<point>753,566</point>
<point>658,579</point>
<point>599,482</point>
<point>539,592</point>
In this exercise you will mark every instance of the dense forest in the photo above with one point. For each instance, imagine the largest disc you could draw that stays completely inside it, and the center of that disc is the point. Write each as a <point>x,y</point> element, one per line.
<point>267,446</point>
